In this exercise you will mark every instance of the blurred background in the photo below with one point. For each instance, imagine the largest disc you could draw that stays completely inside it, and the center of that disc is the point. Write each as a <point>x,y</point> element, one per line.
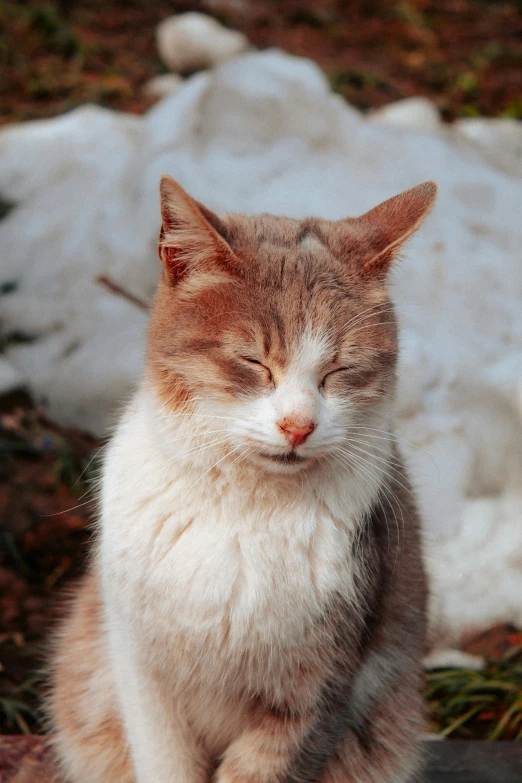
<point>464,56</point>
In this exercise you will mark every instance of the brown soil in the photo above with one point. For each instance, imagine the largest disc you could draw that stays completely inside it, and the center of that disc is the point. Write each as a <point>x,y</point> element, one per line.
<point>464,54</point>
<point>46,476</point>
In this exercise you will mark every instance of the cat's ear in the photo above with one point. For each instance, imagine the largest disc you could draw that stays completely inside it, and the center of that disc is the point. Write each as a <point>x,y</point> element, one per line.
<point>191,236</point>
<point>386,227</point>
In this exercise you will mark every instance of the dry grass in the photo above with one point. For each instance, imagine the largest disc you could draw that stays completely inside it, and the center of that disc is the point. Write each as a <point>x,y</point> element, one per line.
<point>486,704</point>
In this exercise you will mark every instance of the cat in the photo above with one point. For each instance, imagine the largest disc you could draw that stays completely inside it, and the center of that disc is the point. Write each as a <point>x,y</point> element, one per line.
<point>254,611</point>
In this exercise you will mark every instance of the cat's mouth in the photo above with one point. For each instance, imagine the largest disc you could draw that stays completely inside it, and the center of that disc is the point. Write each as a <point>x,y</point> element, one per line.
<point>285,459</point>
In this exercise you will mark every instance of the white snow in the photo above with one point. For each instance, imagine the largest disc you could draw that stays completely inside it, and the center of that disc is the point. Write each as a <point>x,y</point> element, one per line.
<point>263,132</point>
<point>162,85</point>
<point>413,112</point>
<point>191,41</point>
<point>10,378</point>
<point>453,659</point>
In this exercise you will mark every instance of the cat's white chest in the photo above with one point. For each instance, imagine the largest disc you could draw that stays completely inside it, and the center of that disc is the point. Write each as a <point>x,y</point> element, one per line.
<point>263,568</point>
<point>266,572</point>
<point>205,556</point>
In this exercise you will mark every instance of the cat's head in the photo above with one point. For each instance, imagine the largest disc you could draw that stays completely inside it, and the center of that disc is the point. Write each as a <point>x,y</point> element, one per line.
<point>277,336</point>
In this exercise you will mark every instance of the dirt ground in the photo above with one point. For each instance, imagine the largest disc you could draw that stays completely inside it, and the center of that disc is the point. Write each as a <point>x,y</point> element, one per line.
<point>47,477</point>
<point>466,55</point>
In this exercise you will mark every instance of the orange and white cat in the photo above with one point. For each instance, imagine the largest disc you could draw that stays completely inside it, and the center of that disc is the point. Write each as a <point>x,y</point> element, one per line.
<point>254,610</point>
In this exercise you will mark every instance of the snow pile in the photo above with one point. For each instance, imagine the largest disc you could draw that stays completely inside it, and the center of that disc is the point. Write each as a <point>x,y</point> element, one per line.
<point>192,41</point>
<point>162,85</point>
<point>264,133</point>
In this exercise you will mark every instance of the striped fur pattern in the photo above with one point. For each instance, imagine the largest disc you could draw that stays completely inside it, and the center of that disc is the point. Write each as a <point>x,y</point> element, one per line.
<point>254,609</point>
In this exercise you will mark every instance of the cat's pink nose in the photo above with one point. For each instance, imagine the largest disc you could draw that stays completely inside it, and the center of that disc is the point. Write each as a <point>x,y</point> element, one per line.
<point>295,433</point>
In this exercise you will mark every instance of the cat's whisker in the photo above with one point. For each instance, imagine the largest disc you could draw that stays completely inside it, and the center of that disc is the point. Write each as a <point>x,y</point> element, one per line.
<point>92,489</point>
<point>68,510</point>
<point>373,471</point>
<point>206,472</point>
<point>203,415</point>
<point>366,440</point>
<point>395,437</point>
<point>370,479</point>
<point>347,333</point>
<point>381,460</point>
<point>196,450</point>
<point>385,517</point>
<point>371,311</point>
<point>390,467</point>
<point>199,449</point>
<point>401,439</point>
<point>96,454</point>
<point>353,460</point>
<point>375,314</point>
<point>369,326</point>
<point>203,435</point>
<point>387,490</point>
<point>388,458</point>
<point>241,456</point>
<point>355,463</point>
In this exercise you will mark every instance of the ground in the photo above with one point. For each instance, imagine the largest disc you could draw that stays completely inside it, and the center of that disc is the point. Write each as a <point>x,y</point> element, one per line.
<point>466,55</point>
<point>46,486</point>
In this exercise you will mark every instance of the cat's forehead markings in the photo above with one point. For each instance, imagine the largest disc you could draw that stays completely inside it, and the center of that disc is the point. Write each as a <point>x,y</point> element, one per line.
<point>313,349</point>
<point>311,242</point>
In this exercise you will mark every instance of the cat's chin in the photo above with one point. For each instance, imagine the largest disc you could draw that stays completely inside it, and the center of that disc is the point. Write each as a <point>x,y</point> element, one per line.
<point>283,463</point>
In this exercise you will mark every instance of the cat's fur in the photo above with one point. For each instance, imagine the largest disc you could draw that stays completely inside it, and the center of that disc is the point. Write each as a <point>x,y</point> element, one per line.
<point>254,611</point>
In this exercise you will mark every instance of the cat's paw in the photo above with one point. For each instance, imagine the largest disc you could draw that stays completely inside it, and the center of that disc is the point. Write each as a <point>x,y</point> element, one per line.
<point>233,772</point>
<point>226,774</point>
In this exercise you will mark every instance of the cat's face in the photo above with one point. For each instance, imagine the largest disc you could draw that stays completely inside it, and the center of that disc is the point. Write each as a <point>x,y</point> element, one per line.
<point>277,334</point>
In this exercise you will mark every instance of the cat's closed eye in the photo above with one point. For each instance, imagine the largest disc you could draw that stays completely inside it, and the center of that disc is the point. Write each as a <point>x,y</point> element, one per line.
<point>351,375</point>
<point>260,365</point>
<point>336,372</point>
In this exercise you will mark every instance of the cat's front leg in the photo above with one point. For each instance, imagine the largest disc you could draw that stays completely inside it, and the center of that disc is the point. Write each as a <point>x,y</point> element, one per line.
<point>386,748</point>
<point>162,747</point>
<point>263,753</point>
